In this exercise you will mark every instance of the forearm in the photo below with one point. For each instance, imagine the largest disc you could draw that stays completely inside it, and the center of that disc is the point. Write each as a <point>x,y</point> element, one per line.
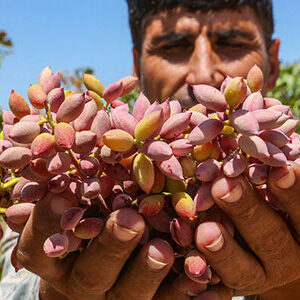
<point>288,292</point>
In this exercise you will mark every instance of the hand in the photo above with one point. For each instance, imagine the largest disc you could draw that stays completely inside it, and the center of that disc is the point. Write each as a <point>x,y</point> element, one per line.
<point>96,272</point>
<point>99,272</point>
<point>273,257</point>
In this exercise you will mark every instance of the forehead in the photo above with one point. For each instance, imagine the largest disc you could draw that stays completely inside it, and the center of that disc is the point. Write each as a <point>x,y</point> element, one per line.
<point>183,20</point>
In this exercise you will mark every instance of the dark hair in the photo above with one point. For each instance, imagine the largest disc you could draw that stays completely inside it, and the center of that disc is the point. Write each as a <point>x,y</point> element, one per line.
<point>140,10</point>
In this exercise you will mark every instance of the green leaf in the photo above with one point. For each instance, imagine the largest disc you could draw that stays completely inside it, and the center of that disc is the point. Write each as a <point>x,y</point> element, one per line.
<point>287,88</point>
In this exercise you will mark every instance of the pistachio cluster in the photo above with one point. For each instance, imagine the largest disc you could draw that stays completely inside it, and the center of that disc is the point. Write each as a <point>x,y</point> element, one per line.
<point>161,160</point>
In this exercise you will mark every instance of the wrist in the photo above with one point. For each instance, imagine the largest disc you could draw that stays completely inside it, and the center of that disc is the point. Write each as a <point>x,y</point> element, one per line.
<point>289,291</point>
<point>47,292</point>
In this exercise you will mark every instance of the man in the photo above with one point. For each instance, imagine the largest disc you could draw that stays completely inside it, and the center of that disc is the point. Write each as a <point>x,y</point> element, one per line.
<point>178,44</point>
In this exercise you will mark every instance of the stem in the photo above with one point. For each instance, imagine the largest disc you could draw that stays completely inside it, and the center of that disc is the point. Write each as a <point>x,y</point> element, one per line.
<point>96,153</point>
<point>107,106</point>
<point>42,121</point>
<point>229,134</point>
<point>76,164</point>
<point>6,186</point>
<point>135,202</point>
<point>70,171</point>
<point>167,194</point>
<point>195,179</point>
<point>101,202</point>
<point>230,115</point>
<point>139,144</point>
<point>49,116</point>
<point>13,174</point>
<point>103,206</point>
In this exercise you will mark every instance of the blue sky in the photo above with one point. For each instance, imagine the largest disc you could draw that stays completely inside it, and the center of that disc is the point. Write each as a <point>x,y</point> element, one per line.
<point>73,33</point>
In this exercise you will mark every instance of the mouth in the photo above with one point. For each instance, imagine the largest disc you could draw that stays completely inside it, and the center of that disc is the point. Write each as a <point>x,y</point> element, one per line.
<point>191,94</point>
<point>186,97</point>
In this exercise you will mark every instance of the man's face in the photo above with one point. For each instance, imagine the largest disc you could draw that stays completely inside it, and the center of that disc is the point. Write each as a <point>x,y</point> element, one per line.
<point>182,48</point>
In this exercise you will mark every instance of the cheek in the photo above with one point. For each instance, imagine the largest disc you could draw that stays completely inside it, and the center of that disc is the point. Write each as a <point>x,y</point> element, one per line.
<point>241,66</point>
<point>161,78</point>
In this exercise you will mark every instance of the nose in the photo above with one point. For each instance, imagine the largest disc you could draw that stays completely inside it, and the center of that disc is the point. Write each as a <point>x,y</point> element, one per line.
<point>202,68</point>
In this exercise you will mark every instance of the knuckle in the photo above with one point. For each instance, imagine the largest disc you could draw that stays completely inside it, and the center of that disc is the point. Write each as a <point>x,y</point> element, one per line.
<point>247,213</point>
<point>117,242</point>
<point>113,249</point>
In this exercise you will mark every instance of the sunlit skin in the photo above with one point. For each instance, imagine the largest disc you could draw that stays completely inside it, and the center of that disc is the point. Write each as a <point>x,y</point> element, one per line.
<point>182,48</point>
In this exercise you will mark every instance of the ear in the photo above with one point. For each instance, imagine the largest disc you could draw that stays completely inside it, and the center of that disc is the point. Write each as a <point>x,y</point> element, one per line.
<point>136,70</point>
<point>273,64</point>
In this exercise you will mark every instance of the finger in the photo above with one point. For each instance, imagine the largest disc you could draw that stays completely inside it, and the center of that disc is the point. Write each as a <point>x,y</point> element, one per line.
<point>195,267</point>
<point>234,265</point>
<point>182,288</point>
<point>265,232</point>
<point>43,222</point>
<point>215,279</point>
<point>99,265</point>
<point>284,182</point>
<point>219,292</point>
<point>143,276</point>
<point>217,215</point>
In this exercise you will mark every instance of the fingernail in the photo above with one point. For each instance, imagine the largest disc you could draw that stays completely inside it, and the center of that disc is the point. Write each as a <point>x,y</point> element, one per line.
<point>287,180</point>
<point>216,245</point>
<point>209,295</point>
<point>155,264</point>
<point>233,195</point>
<point>227,189</point>
<point>127,224</point>
<point>123,234</point>
<point>158,253</point>
<point>205,278</point>
<point>209,235</point>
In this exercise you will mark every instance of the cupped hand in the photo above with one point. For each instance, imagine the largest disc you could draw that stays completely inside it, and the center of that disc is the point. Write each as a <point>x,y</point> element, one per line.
<point>109,268</point>
<point>95,273</point>
<point>270,263</point>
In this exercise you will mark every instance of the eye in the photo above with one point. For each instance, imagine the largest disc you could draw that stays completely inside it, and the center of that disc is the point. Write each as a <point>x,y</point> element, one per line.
<point>175,46</point>
<point>230,44</point>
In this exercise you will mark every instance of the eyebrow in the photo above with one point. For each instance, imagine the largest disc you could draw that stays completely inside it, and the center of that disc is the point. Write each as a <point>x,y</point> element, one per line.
<point>172,36</point>
<point>233,33</point>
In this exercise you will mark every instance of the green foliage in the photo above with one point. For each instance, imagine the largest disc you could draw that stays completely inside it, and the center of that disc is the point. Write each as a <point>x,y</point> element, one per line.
<point>5,44</point>
<point>130,98</point>
<point>74,81</point>
<point>287,88</point>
